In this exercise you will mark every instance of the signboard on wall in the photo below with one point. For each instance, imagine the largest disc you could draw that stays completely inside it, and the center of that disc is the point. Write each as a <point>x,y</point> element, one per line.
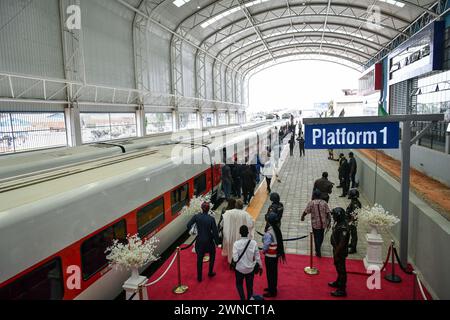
<point>419,55</point>
<point>353,136</point>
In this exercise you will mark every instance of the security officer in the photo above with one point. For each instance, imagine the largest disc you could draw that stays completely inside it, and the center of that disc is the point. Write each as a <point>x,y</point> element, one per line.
<point>352,217</point>
<point>339,241</point>
<point>275,207</point>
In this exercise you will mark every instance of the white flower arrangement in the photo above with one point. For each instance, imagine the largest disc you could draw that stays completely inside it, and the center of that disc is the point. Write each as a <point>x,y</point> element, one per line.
<point>377,216</point>
<point>195,205</point>
<point>134,254</point>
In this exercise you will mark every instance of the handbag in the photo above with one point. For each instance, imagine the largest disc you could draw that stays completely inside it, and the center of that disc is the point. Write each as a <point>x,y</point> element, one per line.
<point>234,263</point>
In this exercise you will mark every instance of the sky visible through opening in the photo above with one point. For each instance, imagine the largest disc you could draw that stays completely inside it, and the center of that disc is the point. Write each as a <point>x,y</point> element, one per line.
<point>298,85</point>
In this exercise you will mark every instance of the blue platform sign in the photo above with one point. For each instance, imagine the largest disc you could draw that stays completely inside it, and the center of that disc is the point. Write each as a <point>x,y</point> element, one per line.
<point>352,136</point>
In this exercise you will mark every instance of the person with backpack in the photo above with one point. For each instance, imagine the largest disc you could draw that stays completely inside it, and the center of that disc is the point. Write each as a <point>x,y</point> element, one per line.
<point>247,262</point>
<point>320,219</point>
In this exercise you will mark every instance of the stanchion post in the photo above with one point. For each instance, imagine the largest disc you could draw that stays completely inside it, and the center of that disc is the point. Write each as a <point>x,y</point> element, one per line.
<point>310,269</point>
<point>392,277</point>
<point>180,288</point>
<point>415,285</point>
<point>141,295</point>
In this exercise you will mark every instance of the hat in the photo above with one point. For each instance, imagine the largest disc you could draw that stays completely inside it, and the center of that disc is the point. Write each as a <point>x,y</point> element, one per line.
<point>205,206</point>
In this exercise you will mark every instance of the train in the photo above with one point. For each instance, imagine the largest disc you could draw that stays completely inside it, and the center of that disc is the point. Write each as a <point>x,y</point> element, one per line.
<point>61,208</point>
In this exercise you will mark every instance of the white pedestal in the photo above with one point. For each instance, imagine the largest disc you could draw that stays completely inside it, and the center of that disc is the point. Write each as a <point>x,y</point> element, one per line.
<point>132,284</point>
<point>374,251</point>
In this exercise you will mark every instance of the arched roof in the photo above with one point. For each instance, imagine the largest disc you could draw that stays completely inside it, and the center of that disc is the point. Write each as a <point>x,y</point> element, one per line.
<point>247,35</point>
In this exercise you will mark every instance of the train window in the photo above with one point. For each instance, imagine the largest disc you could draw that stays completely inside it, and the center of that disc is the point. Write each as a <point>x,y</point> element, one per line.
<point>200,184</point>
<point>179,198</point>
<point>150,217</point>
<point>43,283</point>
<point>93,257</point>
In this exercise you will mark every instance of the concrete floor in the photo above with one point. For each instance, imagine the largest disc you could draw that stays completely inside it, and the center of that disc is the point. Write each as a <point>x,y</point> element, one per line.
<point>297,179</point>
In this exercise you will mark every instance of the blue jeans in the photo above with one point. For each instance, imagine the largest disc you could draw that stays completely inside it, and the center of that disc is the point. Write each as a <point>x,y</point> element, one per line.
<point>226,186</point>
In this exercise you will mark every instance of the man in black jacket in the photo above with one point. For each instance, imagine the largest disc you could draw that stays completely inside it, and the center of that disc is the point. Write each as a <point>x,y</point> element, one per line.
<point>301,145</point>
<point>207,239</point>
<point>324,186</point>
<point>352,169</point>
<point>344,170</point>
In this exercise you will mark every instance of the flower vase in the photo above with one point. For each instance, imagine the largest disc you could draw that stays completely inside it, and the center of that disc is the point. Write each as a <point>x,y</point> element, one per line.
<point>374,248</point>
<point>134,273</point>
<point>374,229</point>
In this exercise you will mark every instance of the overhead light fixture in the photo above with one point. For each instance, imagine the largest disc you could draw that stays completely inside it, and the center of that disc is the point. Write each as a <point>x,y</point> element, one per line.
<point>394,3</point>
<point>228,12</point>
<point>179,3</point>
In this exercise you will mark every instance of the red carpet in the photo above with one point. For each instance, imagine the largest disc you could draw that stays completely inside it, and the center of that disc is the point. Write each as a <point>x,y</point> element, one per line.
<point>293,283</point>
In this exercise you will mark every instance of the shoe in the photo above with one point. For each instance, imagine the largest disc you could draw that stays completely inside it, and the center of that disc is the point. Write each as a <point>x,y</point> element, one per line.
<point>211,274</point>
<point>333,284</point>
<point>266,289</point>
<point>269,295</point>
<point>318,255</point>
<point>351,251</point>
<point>339,293</point>
<point>199,279</point>
<point>339,187</point>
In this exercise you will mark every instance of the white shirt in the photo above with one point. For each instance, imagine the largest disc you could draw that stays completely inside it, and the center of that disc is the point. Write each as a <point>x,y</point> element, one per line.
<point>232,222</point>
<point>270,168</point>
<point>250,258</point>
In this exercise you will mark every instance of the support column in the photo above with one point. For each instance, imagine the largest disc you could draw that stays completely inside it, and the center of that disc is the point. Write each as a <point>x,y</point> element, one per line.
<point>175,121</point>
<point>140,122</point>
<point>447,140</point>
<point>73,125</point>
<point>405,167</point>
<point>216,118</point>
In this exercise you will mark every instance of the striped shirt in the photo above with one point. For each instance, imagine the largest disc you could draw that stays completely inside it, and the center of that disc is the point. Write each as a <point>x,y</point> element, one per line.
<point>320,213</point>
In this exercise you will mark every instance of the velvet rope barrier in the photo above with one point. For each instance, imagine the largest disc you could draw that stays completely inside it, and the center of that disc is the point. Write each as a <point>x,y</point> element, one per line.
<point>189,245</point>
<point>286,240</point>
<point>400,264</point>
<point>382,268</point>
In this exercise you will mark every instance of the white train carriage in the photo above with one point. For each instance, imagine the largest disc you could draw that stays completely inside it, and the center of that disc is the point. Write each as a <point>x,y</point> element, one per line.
<point>55,225</point>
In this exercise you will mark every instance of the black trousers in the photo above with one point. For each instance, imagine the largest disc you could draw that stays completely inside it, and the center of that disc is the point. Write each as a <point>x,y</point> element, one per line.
<point>345,185</point>
<point>352,179</point>
<point>341,281</point>
<point>248,193</point>
<point>291,150</point>
<point>353,237</point>
<point>302,151</point>
<point>248,283</point>
<point>268,182</point>
<point>318,240</point>
<point>201,251</point>
<point>272,274</point>
<point>237,187</point>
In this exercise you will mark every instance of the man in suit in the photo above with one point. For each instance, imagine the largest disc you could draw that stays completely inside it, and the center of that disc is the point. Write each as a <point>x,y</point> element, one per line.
<point>324,186</point>
<point>344,170</point>
<point>207,239</point>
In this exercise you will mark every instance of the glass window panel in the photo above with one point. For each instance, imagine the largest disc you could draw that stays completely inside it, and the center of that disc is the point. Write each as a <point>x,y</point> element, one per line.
<point>93,256</point>
<point>31,130</point>
<point>42,283</point>
<point>158,122</point>
<point>200,184</point>
<point>150,217</point>
<point>179,198</point>
<point>107,126</point>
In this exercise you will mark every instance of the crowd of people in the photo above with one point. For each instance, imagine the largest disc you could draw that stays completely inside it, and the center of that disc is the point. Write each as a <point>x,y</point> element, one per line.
<point>235,231</point>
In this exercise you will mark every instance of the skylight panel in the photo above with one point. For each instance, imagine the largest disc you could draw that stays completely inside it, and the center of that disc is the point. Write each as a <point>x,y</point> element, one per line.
<point>394,3</point>
<point>228,12</point>
<point>179,3</point>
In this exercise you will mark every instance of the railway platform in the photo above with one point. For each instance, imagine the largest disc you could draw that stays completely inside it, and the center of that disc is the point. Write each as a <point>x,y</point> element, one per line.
<point>297,176</point>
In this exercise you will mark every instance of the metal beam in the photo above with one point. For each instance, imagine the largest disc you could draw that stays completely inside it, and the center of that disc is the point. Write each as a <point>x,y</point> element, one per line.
<point>257,31</point>
<point>239,53</point>
<point>306,45</point>
<point>250,69</point>
<point>325,23</point>
<point>127,5</point>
